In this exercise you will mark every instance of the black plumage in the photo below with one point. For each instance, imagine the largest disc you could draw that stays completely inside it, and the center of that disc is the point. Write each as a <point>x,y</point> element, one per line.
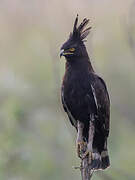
<point>84,95</point>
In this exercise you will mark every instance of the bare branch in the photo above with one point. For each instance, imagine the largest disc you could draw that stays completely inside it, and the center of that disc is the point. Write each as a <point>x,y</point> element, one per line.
<point>86,171</point>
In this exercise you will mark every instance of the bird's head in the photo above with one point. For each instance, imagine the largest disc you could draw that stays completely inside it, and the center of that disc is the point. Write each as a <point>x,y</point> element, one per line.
<point>74,46</point>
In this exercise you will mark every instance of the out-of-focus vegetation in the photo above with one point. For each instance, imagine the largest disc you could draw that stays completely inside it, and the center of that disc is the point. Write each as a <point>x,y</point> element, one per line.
<point>36,140</point>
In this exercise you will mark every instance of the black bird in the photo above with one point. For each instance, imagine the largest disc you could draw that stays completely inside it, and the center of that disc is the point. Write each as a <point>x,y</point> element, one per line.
<point>85,98</point>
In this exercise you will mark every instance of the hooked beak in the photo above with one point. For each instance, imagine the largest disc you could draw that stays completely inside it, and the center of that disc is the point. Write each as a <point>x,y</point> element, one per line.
<point>61,52</point>
<point>65,52</point>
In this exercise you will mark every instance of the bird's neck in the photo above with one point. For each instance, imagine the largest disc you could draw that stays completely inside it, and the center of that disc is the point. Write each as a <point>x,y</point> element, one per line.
<point>79,64</point>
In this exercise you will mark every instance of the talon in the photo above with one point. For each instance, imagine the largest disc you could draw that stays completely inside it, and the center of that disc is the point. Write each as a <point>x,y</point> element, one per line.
<point>80,148</point>
<point>85,154</point>
<point>88,153</point>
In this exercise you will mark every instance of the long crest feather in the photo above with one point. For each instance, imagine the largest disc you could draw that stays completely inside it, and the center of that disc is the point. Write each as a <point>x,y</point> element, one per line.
<point>81,33</point>
<point>75,25</point>
<point>85,33</point>
<point>83,25</point>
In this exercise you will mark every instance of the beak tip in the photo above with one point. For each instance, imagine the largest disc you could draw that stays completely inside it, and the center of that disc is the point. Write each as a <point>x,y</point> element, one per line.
<point>61,52</point>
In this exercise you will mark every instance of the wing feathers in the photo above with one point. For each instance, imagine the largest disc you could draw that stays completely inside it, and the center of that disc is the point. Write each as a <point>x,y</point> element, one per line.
<point>94,95</point>
<point>72,119</point>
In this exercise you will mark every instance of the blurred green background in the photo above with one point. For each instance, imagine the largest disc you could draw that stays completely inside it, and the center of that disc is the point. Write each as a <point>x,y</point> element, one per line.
<point>37,141</point>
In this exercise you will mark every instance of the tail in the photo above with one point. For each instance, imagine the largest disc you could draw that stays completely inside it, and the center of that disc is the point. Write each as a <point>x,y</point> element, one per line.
<point>105,162</point>
<point>100,160</point>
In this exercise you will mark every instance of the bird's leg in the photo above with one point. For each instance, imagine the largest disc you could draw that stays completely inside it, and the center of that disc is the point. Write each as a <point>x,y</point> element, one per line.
<point>89,150</point>
<point>79,141</point>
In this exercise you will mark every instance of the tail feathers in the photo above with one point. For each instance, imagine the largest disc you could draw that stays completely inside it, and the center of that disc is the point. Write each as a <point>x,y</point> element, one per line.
<point>105,159</point>
<point>100,161</point>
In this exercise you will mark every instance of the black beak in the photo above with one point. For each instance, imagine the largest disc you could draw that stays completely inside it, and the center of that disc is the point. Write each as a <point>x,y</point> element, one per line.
<point>61,52</point>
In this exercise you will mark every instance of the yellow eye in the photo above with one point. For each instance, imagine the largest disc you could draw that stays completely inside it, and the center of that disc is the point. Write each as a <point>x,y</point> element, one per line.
<point>72,49</point>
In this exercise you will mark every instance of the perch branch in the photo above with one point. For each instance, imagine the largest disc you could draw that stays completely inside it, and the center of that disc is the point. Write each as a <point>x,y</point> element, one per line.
<point>86,171</point>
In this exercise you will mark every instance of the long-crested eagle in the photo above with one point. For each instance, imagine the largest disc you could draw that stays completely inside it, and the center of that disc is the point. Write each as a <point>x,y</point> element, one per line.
<point>85,98</point>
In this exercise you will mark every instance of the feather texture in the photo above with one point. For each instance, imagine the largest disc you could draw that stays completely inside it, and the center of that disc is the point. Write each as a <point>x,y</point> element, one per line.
<point>80,33</point>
